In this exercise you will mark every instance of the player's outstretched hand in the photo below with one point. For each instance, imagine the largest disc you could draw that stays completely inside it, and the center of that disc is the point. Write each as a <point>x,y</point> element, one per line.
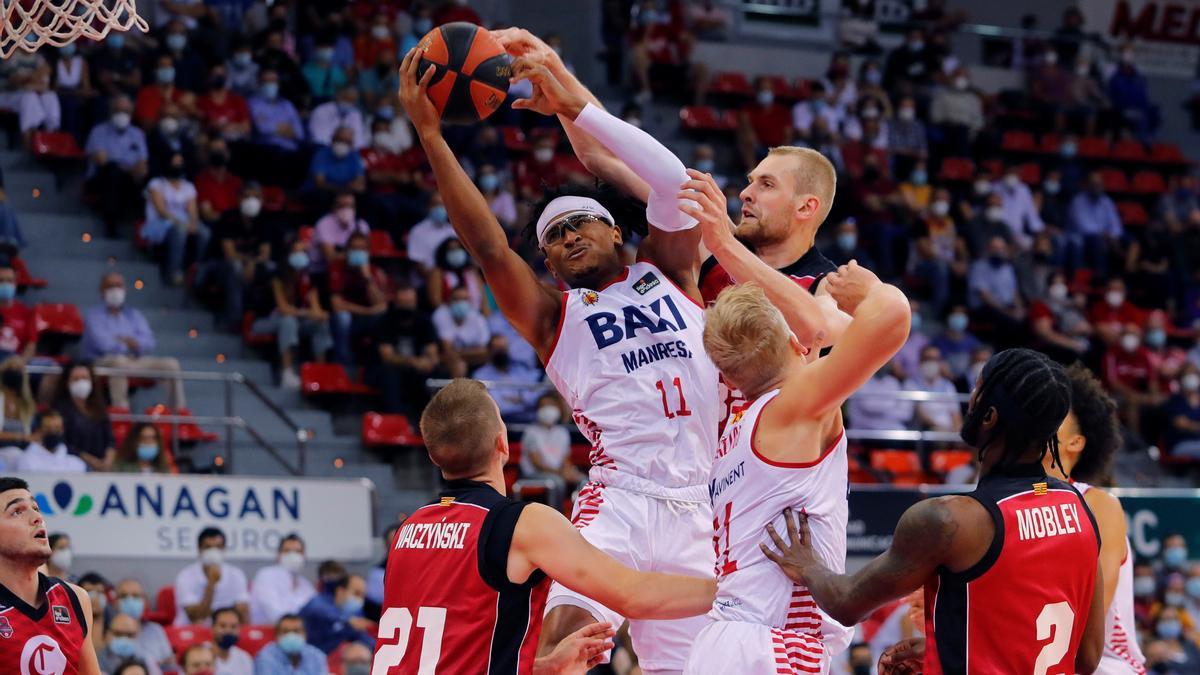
<point>414,95</point>
<point>549,96</point>
<point>703,200</point>
<point>520,43</point>
<point>578,652</point>
<point>906,657</point>
<point>796,557</point>
<point>850,284</point>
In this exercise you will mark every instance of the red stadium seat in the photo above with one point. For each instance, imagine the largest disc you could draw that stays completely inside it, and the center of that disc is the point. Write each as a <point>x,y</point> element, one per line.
<point>945,461</point>
<point>164,607</point>
<point>254,638</point>
<point>274,198</point>
<point>783,89</point>
<point>1132,214</point>
<point>54,145</point>
<point>383,247</point>
<point>307,233</point>
<point>1148,182</point>
<point>329,378</point>
<point>250,337</point>
<point>189,432</point>
<point>122,428</point>
<point>182,637</point>
<point>24,278</point>
<point>1018,141</point>
<point>993,167</point>
<point>388,430</point>
<point>1050,144</point>
<point>1129,151</point>
<point>895,461</point>
<point>1030,173</point>
<point>705,118</point>
<point>733,84</point>
<point>1093,147</point>
<point>57,317</point>
<point>1114,180</point>
<point>1167,153</point>
<point>514,139</point>
<point>957,169</point>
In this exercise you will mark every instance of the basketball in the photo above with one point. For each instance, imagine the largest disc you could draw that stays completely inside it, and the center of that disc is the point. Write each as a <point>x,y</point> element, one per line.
<point>472,71</point>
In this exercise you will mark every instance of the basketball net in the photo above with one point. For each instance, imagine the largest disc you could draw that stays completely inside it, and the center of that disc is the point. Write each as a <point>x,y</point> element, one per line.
<point>29,24</point>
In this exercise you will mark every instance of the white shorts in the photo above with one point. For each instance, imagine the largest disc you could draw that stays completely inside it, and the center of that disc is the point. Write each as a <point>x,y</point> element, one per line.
<point>753,649</point>
<point>651,535</point>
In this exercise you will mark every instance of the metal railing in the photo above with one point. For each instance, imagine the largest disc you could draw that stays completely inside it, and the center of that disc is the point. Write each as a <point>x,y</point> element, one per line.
<point>229,420</point>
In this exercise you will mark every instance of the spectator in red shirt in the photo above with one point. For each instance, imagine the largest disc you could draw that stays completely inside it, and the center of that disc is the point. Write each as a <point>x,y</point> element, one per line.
<point>456,10</point>
<point>1060,327</point>
<point>1109,314</point>
<point>217,188</point>
<point>393,193</point>
<point>150,99</point>
<point>223,112</point>
<point>18,334</point>
<point>1129,373</point>
<point>358,296</point>
<point>369,45</point>
<point>762,125</point>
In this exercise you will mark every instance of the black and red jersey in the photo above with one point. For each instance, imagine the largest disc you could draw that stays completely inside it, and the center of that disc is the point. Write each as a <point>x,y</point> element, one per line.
<point>448,606</point>
<point>47,639</point>
<point>1027,601</point>
<point>807,271</point>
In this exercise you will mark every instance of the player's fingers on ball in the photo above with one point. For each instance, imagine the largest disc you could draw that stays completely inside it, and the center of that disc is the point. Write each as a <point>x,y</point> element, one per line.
<point>426,79</point>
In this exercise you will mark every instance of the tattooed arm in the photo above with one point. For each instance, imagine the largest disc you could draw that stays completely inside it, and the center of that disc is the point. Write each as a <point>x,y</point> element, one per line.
<point>947,531</point>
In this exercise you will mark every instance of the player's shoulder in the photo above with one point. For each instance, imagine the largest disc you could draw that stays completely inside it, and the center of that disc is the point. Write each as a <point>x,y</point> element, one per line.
<point>1104,504</point>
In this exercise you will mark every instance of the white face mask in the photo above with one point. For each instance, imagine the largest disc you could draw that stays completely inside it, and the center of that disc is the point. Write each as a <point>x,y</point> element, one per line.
<point>62,558</point>
<point>212,556</point>
<point>80,389</point>
<point>1114,298</point>
<point>379,32</point>
<point>982,187</point>
<point>251,207</point>
<point>1129,342</point>
<point>1058,291</point>
<point>994,213</point>
<point>382,139</point>
<point>940,208</point>
<point>907,113</point>
<point>114,297</point>
<point>543,155</point>
<point>169,125</point>
<point>1012,180</point>
<point>960,83</point>
<point>340,149</point>
<point>548,414</point>
<point>292,561</point>
<point>931,370</point>
<point>121,120</point>
<point>345,214</point>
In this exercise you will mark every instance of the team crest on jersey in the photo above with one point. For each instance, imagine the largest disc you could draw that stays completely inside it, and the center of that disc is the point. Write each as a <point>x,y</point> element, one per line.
<point>61,615</point>
<point>447,501</point>
<point>1041,489</point>
<point>590,298</point>
<point>646,283</point>
<point>6,629</point>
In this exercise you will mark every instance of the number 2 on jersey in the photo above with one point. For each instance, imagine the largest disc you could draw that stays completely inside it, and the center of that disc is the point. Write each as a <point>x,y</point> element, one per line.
<point>682,410</point>
<point>395,624</point>
<point>1058,618</point>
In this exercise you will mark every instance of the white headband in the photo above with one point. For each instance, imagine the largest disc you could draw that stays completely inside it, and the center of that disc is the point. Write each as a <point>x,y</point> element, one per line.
<point>564,206</point>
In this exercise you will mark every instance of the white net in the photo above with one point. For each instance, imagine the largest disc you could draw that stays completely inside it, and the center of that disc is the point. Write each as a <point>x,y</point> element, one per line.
<point>29,24</point>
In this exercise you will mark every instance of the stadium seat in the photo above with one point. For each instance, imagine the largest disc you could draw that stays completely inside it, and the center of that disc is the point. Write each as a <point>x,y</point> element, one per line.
<point>274,198</point>
<point>24,278</point>
<point>329,378</point>
<point>1050,144</point>
<point>1093,147</point>
<point>54,145</point>
<point>307,233</point>
<point>120,429</point>
<point>705,118</point>
<point>189,432</point>
<point>783,89</point>
<point>182,637</point>
<point>993,167</point>
<point>1148,182</point>
<point>383,247</point>
<point>1167,153</point>
<point>1128,151</point>
<point>250,337</point>
<point>945,461</point>
<point>164,607</point>
<point>254,638</point>
<point>1018,141</point>
<point>389,430</point>
<point>1132,214</point>
<point>57,317</point>
<point>732,84</point>
<point>1030,173</point>
<point>1114,180</point>
<point>957,169</point>
<point>895,461</point>
<point>514,139</point>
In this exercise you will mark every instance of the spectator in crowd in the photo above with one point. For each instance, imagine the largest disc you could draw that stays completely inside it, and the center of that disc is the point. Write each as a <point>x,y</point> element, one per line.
<point>171,136</point>
<point>541,170</point>
<point>422,23</point>
<point>12,238</point>
<point>223,111</point>
<point>333,231</point>
<point>356,659</point>
<point>1084,99</point>
<point>427,235</point>
<point>229,659</point>
<point>39,108</point>
<point>910,66</point>
<point>173,217</point>
<point>907,137</point>
<point>546,450</point>
<point>18,407</point>
<point>939,254</point>
<point>198,659</point>
<point>818,106</point>
<point>46,451</point>
<point>1183,415</point>
<point>389,179</point>
<point>118,336</point>
<point>240,253</point>
<point>152,97</point>
<point>334,615</point>
<point>341,113</point>
<point>396,133</point>
<point>453,269</point>
<point>1059,321</point>
<point>61,557</point>
<point>957,113</point>
<point>379,79</point>
<point>86,427</point>
<point>336,168</point>
<point>114,67</point>
<point>281,588</point>
<point>1094,228</point>
<point>1179,202</point>
<point>846,245</point>
<point>936,415</point>
<point>1129,373</point>
<point>488,148</point>
<point>278,131</point>
<point>18,335</point>
<point>407,344</point>
<point>117,163</point>
<point>217,188</point>
<point>122,644</point>
<point>242,70</point>
<point>1055,203</point>
<point>993,296</point>
<point>298,312</point>
<point>1172,651</point>
<point>957,343</point>
<point>908,359</point>
<point>1020,213</point>
<point>358,295</point>
<point>209,583</point>
<point>463,331</point>
<point>763,124</point>
<point>518,404</point>
<point>143,451</point>
<point>1110,314</point>
<point>152,641</point>
<point>324,77</point>
<point>290,652</point>
<point>875,406</point>
<point>97,588</point>
<point>189,66</point>
<point>1148,264</point>
<point>1129,92</point>
<point>498,195</point>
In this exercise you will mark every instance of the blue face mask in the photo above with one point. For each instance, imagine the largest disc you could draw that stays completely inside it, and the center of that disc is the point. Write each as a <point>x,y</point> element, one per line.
<point>133,606</point>
<point>705,165</point>
<point>1193,587</point>
<point>1156,337</point>
<point>459,309</point>
<point>67,50</point>
<point>298,260</point>
<point>385,112</point>
<point>847,241</point>
<point>357,257</point>
<point>176,42</point>
<point>1174,599</point>
<point>8,291</point>
<point>269,90</point>
<point>919,177</point>
<point>1175,556</point>
<point>352,605</point>
<point>422,26</point>
<point>456,258</point>
<point>124,647</point>
<point>489,182</point>
<point>438,214</point>
<point>242,59</point>
<point>957,322</point>
<point>916,322</point>
<point>291,643</point>
<point>115,40</point>
<point>147,452</point>
<point>165,75</point>
<point>324,55</point>
<point>1169,629</point>
<point>1067,149</point>
<point>1143,587</point>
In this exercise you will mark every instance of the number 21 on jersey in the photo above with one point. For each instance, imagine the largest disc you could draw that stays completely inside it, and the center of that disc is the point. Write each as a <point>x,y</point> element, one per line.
<point>396,624</point>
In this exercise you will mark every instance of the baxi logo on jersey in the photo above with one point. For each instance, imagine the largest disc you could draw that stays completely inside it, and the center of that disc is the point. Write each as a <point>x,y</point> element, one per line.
<point>660,316</point>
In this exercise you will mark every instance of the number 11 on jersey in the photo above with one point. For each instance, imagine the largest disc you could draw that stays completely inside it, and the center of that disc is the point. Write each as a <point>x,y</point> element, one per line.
<point>682,409</point>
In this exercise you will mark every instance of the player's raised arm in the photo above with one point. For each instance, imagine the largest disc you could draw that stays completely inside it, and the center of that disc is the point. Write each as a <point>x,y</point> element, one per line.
<point>545,540</point>
<point>530,305</point>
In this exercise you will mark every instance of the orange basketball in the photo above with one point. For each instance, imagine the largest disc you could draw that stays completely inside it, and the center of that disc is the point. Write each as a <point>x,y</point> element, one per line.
<point>471,71</point>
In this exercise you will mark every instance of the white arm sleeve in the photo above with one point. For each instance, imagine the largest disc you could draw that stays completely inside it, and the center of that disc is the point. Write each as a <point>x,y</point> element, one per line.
<point>646,157</point>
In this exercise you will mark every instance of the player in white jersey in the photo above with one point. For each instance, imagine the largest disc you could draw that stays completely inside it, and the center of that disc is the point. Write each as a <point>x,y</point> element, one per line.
<point>786,449</point>
<point>1087,441</point>
<point>624,347</point>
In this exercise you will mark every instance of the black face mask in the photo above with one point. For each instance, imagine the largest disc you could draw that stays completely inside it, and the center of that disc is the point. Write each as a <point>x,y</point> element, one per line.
<point>870,174</point>
<point>218,160</point>
<point>501,360</point>
<point>12,379</point>
<point>51,441</point>
<point>173,172</point>
<point>228,640</point>
<point>216,83</point>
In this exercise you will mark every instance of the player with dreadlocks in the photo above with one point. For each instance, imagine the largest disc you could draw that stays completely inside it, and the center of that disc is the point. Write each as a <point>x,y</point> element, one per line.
<point>980,555</point>
<point>1087,441</point>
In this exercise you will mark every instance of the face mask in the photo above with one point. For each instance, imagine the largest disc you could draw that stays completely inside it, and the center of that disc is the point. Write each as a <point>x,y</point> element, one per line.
<point>1190,382</point>
<point>379,32</point>
<point>291,643</point>
<point>1012,180</point>
<point>438,214</point>
<point>543,155</point>
<point>847,241</point>
<point>931,370</point>
<point>982,187</point>
<point>818,105</point>
<point>7,291</point>
<point>960,83</point>
<point>345,215</point>
<point>1175,557</point>
<point>382,139</point>
<point>165,75</point>
<point>489,182</point>
<point>456,258</point>
<point>422,26</point>
<point>67,50</point>
<point>549,414</point>
<point>1156,337</point>
<point>352,604</point>
<point>1051,187</point>
<point>114,297</point>
<point>212,556</point>
<point>63,557</point>
<point>1174,599</point>
<point>705,165</point>
<point>1169,630</point>
<point>176,42</point>
<point>916,46</point>
<point>766,97</point>
<point>1067,149</point>
<point>870,113</point>
<point>340,149</point>
<point>242,59</point>
<point>298,260</point>
<point>217,82</point>
<point>227,641</point>
<point>1129,342</point>
<point>121,120</point>
<point>907,114</point>
<point>875,77</point>
<point>218,160</point>
<point>12,379</point>
<point>292,561</point>
<point>251,207</point>
<point>169,125</point>
<point>98,599</point>
<point>1114,298</point>
<point>459,309</point>
<point>115,41</point>
<point>994,213</point>
<point>123,647</point>
<point>1143,587</point>
<point>356,669</point>
<point>132,605</point>
<point>269,90</point>
<point>940,208</point>
<point>1058,291</point>
<point>957,322</point>
<point>919,177</point>
<point>51,441</point>
<point>1193,587</point>
<point>80,389</point>
<point>325,55</point>
<point>357,257</point>
<point>915,322</point>
<point>147,452</point>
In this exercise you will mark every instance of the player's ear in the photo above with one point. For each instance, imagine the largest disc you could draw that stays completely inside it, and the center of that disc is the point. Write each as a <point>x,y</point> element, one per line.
<point>794,344</point>
<point>618,240</point>
<point>549,268</point>
<point>990,418</point>
<point>502,444</point>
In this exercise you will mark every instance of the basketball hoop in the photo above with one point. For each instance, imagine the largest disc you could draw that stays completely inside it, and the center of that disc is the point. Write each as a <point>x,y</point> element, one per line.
<point>29,24</point>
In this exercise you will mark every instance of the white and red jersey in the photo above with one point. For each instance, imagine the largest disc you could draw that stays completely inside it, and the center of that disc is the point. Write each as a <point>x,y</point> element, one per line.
<point>630,361</point>
<point>748,491</point>
<point>1122,654</point>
